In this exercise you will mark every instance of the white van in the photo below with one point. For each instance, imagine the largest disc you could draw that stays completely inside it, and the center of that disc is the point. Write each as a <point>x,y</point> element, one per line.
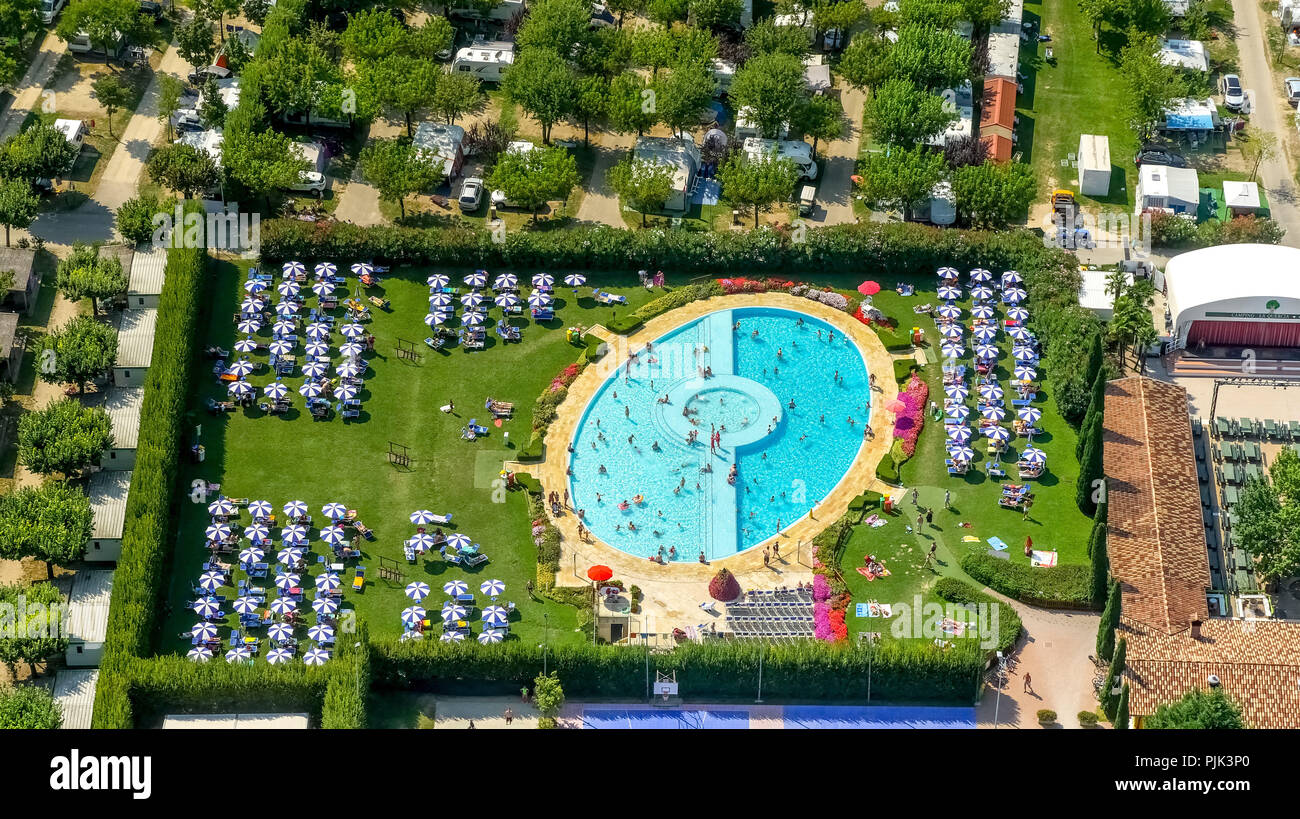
<point>50,9</point>
<point>799,152</point>
<point>485,60</point>
<point>501,12</point>
<point>73,130</point>
<point>943,205</point>
<point>747,128</point>
<point>81,44</point>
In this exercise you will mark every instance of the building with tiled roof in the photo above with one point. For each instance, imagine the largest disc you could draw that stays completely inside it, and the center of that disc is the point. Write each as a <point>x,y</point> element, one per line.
<point>1156,544</point>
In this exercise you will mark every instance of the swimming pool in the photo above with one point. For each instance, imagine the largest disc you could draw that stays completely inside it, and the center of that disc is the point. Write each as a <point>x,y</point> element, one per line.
<point>788,393</point>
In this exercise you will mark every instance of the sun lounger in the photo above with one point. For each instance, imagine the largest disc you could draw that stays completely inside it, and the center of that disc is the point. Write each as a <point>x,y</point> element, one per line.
<point>360,580</point>
<point>476,560</point>
<point>608,298</point>
<point>542,315</point>
<point>442,519</point>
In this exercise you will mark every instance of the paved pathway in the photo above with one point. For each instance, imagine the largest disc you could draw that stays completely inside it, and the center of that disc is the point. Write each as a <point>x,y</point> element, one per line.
<point>600,204</point>
<point>27,93</point>
<point>835,189</point>
<point>358,199</point>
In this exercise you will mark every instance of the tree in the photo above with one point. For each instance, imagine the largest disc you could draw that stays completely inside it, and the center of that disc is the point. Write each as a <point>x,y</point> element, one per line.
<point>36,633</point>
<point>1114,673</point>
<point>194,42</point>
<point>548,696</point>
<point>708,14</point>
<point>554,24</point>
<point>1267,517</point>
<point>642,184</point>
<point>903,178</point>
<point>18,205</point>
<point>455,95</point>
<point>667,12</point>
<point>933,13</point>
<point>1152,85</point>
<point>1096,407</point>
<point>82,350</point>
<point>1148,16</point>
<point>771,87</point>
<point>931,58</point>
<point>830,15</point>
<point>820,118</point>
<point>865,64</point>
<point>1091,469</point>
<point>398,169</point>
<point>184,168</point>
<point>1110,617</point>
<point>631,104</point>
<point>134,219</point>
<point>40,152</point>
<point>256,10</point>
<point>102,21</point>
<point>1199,710</point>
<point>1258,148</point>
<point>212,108</point>
<point>87,275</point>
<point>901,114</point>
<point>653,48</point>
<point>405,83</point>
<point>682,94</point>
<point>757,183</point>
<point>984,14</point>
<point>301,77</point>
<point>18,20</point>
<point>590,103</point>
<point>373,34</point>
<point>963,150</point>
<point>63,438</point>
<point>1097,12</point>
<point>50,522</point>
<point>217,10</point>
<point>264,161</point>
<point>31,707</point>
<point>530,179</point>
<point>995,194</point>
<point>1099,557</point>
<point>625,7</point>
<point>169,99</point>
<point>1121,709</point>
<point>544,86</point>
<point>766,37</point>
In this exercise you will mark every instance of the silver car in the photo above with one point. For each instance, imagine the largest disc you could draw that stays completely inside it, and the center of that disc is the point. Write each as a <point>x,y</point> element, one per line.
<point>1291,85</point>
<point>471,195</point>
<point>1233,97</point>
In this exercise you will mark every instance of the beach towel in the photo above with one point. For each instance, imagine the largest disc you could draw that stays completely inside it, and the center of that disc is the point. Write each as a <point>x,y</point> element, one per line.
<point>1042,559</point>
<point>445,408</point>
<point>862,610</point>
<point>875,521</point>
<point>997,543</point>
<point>969,539</point>
<point>865,572</point>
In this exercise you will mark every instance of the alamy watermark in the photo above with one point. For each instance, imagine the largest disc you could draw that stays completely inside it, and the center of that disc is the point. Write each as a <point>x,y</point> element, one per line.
<point>1073,229</point>
<point>231,231</point>
<point>25,620</point>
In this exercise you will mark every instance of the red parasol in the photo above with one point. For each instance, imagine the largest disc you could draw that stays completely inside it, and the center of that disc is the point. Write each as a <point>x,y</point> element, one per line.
<point>600,573</point>
<point>897,407</point>
<point>869,288</point>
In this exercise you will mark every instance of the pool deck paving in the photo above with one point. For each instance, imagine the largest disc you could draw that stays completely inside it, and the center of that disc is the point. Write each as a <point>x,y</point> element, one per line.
<point>673,594</point>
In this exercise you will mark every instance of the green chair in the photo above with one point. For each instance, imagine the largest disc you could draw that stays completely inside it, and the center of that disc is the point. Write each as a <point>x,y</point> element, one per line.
<point>1270,428</point>
<point>1223,427</point>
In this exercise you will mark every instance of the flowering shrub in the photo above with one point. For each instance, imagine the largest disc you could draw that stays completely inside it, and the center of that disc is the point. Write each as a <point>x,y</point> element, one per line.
<point>744,285</point>
<point>907,426</point>
<point>821,589</point>
<point>565,378</point>
<point>827,297</point>
<point>724,586</point>
<point>822,622</point>
<point>839,628</point>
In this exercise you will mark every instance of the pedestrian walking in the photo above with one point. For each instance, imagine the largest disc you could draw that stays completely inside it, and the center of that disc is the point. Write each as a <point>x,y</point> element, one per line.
<point>776,549</point>
<point>767,558</point>
<point>919,518</point>
<point>1028,503</point>
<point>916,494</point>
<point>1029,686</point>
<point>929,517</point>
<point>471,724</point>
<point>510,716</point>
<point>947,499</point>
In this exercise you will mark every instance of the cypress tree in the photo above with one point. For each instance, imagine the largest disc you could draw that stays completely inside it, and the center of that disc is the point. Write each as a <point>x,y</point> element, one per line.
<point>1091,469</point>
<point>1098,554</point>
<point>1096,359</point>
<point>1096,407</point>
<point>1121,710</point>
<point>1109,622</point>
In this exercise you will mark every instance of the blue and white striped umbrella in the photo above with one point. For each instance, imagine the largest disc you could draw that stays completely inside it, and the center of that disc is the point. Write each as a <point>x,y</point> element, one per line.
<point>275,391</point>
<point>575,280</point>
<point>326,269</point>
<point>295,509</point>
<point>993,413</point>
<point>239,654</point>
<point>248,325</point>
<point>204,631</point>
<point>317,349</point>
<point>949,311</point>
<point>334,511</point>
<point>998,434</point>
<point>537,298</point>
<point>472,299</point>
<point>310,389</point>
<point>250,306</point>
<point>349,369</point>
<point>509,300</point>
<point>352,348</point>
<point>1013,295</point>
<point>477,279</point>
<point>956,392</point>
<point>1017,314</point>
<point>283,605</point>
<point>257,531</point>
<point>346,392</point>
<point>294,535</point>
<point>981,293</point>
<point>951,350</point>
<point>1029,415</point>
<point>240,389</point>
<point>323,289</point>
<point>495,615</point>
<point>352,331</point>
<point>217,531</point>
<point>325,605</point>
<point>205,607</point>
<point>991,391</point>
<point>1024,372</point>
<point>417,591</point>
<point>985,333</point>
<point>1020,333</point>
<point>1033,455</point>
<point>472,319</point>
<point>327,582</point>
<point>453,611</point>
<point>333,535</point>
<point>200,654</point>
<point>438,280</point>
<point>284,327</point>
<point>245,345</point>
<point>314,369</point>
<point>987,352</point>
<point>246,605</point>
<point>413,614</point>
<point>505,281</point>
<point>961,453</point>
<point>957,411</point>
<point>286,308</point>
<point>289,289</point>
<point>492,588</point>
<point>982,311</point>
<point>434,319</point>
<point>422,516</point>
<point>958,435</point>
<point>453,637</point>
<point>410,635</point>
<point>280,632</point>
<point>289,580</point>
<point>948,292</point>
<point>221,506</point>
<point>321,633</point>
<point>422,541</point>
<point>317,331</point>
<point>280,347</point>
<point>458,540</point>
<point>363,268</point>
<point>316,656</point>
<point>947,273</point>
<point>1011,277</point>
<point>979,274</point>
<point>251,555</point>
<point>951,331</point>
<point>491,636</point>
<point>543,280</point>
<point>294,268</point>
<point>1024,354</point>
<point>241,367</point>
<point>276,656</point>
<point>455,587</point>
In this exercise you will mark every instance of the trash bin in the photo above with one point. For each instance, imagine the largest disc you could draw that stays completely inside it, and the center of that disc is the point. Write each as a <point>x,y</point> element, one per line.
<point>888,502</point>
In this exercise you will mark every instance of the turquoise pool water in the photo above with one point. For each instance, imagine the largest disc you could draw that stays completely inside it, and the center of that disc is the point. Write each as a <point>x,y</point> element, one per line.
<point>787,457</point>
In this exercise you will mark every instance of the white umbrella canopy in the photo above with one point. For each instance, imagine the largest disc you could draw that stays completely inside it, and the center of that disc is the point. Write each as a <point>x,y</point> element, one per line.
<point>280,347</point>
<point>240,389</point>
<point>455,587</point>
<point>250,306</point>
<point>947,273</point>
<point>422,516</point>
<point>260,508</point>
<point>1033,455</point>
<point>452,637</point>
<point>205,607</point>
<point>410,635</point>
<point>959,435</point>
<point>363,268</point>
<point>982,311</point>
<point>993,413</point>
<point>251,555</point>
<point>288,580</point>
<point>948,293</point>
<point>491,636</point>
<point>1011,277</point>
<point>349,369</point>
<point>575,280</point>
<point>280,632</point>
<point>248,325</point>
<point>217,531</point>
<point>316,656</point>
<point>1013,295</point>
<point>326,269</point>
<point>1030,415</point>
<point>438,280</point>
<point>321,633</point>
<point>440,300</point>
<point>957,411</point>
<point>211,581</point>
<point>981,293</point>
<point>1020,333</point>
<point>961,453</point>
<point>987,352</point>
<point>245,345</point>
<point>293,535</point>
<point>476,279</point>
<point>327,582</point>
<point>951,331</point>
<point>346,392</point>
<point>985,333</point>
<point>472,319</point>
<point>239,653</point>
<point>949,311</point>
<point>276,656</point>
<point>204,630</point>
<point>458,540</point>
<point>538,298</point>
<point>1024,354</point>
<point>295,509</point>
<point>1024,372</point>
<point>294,268</point>
<point>221,506</point>
<point>311,389</point>
<point>241,367</point>
<point>453,611</point>
<point>257,531</point>
<point>1017,314</point>
<point>956,392</point>
<point>288,289</point>
<point>543,280</point>
<point>496,615</point>
<point>200,654</point>
<point>979,274</point>
<point>286,308</point>
<point>413,614</point>
<point>504,281</point>
<point>317,330</point>
<point>473,299</point>
<point>284,327</point>
<point>998,434</point>
<point>417,591</point>
<point>434,319</point>
<point>283,605</point>
<point>950,350</point>
<point>323,289</point>
<point>325,605</point>
<point>318,349</point>
<point>492,588</point>
<point>314,369</point>
<point>246,605</point>
<point>333,535</point>
<point>334,510</point>
<point>422,542</point>
<point>275,391</point>
<point>991,391</point>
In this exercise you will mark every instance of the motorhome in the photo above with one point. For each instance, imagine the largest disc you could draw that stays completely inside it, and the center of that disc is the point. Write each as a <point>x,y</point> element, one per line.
<point>50,9</point>
<point>441,146</point>
<point>798,152</point>
<point>81,44</point>
<point>723,73</point>
<point>501,12</point>
<point>74,130</point>
<point>747,128</point>
<point>485,60</point>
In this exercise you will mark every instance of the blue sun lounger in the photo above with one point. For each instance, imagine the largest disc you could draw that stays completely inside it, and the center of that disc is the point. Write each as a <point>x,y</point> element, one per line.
<point>476,428</point>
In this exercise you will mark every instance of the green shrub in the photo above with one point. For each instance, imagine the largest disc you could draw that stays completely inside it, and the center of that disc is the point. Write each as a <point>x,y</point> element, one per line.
<point>962,593</point>
<point>1088,719</point>
<point>1068,586</point>
<point>903,370</point>
<point>1046,716</point>
<point>895,341</point>
<point>887,471</point>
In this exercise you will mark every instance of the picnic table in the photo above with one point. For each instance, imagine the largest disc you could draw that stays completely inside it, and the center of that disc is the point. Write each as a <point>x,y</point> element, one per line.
<point>1252,450</point>
<point>1295,429</point>
<point>1231,474</point>
<point>1252,470</point>
<point>1270,428</point>
<point>1222,427</point>
<point>1227,450</point>
<point>1230,495</point>
<point>1247,426</point>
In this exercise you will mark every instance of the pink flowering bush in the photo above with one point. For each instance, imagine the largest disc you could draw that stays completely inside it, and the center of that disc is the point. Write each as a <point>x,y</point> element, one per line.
<point>907,426</point>
<point>744,285</point>
<point>821,588</point>
<point>822,622</point>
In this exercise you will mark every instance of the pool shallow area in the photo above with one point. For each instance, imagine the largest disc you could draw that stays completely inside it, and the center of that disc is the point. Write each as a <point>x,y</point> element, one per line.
<point>787,394</point>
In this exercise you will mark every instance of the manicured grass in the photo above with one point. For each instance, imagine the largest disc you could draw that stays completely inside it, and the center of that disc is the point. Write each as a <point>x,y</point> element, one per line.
<point>292,457</point>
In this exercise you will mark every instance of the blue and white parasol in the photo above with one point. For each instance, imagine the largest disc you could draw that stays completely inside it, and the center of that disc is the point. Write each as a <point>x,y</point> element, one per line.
<point>417,591</point>
<point>325,605</point>
<point>1017,314</point>
<point>204,631</point>
<point>957,412</point>
<point>453,637</point>
<point>455,587</point>
<point>422,516</point>
<point>275,391</point>
<point>346,392</point>
<point>948,293</point>
<point>310,389</point>
<point>575,280</point>
<point>951,350</point>
<point>284,327</point>
<point>491,636</point>
<point>958,435</point>
<point>260,508</point>
<point>1024,372</point>
<point>422,542</point>
<point>283,605</point>
<point>453,611</point>
<point>458,540</point>
<point>327,582</point>
<point>246,605</point>
<point>410,635</point>
<point>1011,277</point>
<point>323,289</point>
<point>326,269</point>
<point>438,280</point>
<point>239,389</point>
<point>1033,455</point>
<point>217,531</point>
<point>250,306</point>
<point>295,509</point>
<point>280,632</point>
<point>495,615</point>
<point>985,333</point>
<point>413,614</point>
<point>477,279</point>
<point>492,588</point>
<point>205,607</point>
<point>241,367</point>
<point>245,345</point>
<point>288,580</point>
<point>1029,415</point>
<point>363,268</point>
<point>276,656</point>
<point>352,331</point>
<point>537,298</point>
<point>221,506</point>
<point>1024,354</point>
<point>947,273</point>
<point>434,319</point>
<point>472,319</point>
<point>956,392</point>
<point>1013,295</point>
<point>949,311</point>
<point>993,413</point>
<point>349,369</point>
<point>352,348</point>
<point>294,268</point>
<point>472,299</point>
<point>951,331</point>
<point>979,274</point>
<point>286,308</point>
<point>333,535</point>
<point>248,325</point>
<point>315,369</point>
<point>251,555</point>
<point>317,331</point>
<point>999,434</point>
<point>239,654</point>
<point>543,280</point>
<point>280,347</point>
<point>505,281</point>
<point>981,293</point>
<point>321,633</point>
<point>334,511</point>
<point>991,391</point>
<point>317,349</point>
<point>294,535</point>
<point>509,300</point>
<point>288,289</point>
<point>200,654</point>
<point>982,311</point>
<point>1020,333</point>
<point>961,453</point>
<point>316,656</point>
<point>987,352</point>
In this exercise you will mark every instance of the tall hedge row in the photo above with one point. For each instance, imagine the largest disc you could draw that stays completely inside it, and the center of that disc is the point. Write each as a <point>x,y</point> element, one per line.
<point>1058,587</point>
<point>810,670</point>
<point>138,585</point>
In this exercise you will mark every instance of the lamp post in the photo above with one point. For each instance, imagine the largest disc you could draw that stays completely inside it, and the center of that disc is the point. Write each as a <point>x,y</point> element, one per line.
<point>997,698</point>
<point>546,619</point>
<point>762,648</point>
<point>646,646</point>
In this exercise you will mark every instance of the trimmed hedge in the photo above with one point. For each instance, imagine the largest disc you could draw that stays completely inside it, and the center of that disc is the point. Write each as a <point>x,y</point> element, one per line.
<point>903,370</point>
<point>807,670</point>
<point>1059,587</point>
<point>895,341</point>
<point>962,593</point>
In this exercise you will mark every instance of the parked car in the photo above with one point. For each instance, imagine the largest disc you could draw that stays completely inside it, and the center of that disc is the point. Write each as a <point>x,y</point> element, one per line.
<point>1159,155</point>
<point>152,10</point>
<point>50,9</point>
<point>1233,97</point>
<point>200,75</point>
<point>1291,85</point>
<point>313,182</point>
<point>471,195</point>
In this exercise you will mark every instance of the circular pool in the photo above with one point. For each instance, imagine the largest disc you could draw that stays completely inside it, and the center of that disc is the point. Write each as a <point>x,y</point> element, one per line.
<point>786,396</point>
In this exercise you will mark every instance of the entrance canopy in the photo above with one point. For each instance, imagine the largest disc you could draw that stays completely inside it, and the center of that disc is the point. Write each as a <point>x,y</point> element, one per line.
<point>1243,295</point>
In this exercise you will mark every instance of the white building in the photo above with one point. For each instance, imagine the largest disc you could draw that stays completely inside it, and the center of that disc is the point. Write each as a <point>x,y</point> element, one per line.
<point>442,146</point>
<point>1004,54</point>
<point>123,407</point>
<point>1095,293</point>
<point>108,493</point>
<point>88,617</point>
<point>1160,187</point>
<point>209,142</point>
<point>148,271</point>
<point>74,691</point>
<point>135,334</point>
<point>1235,295</point>
<point>1094,165</point>
<point>1188,54</point>
<point>678,153</point>
<point>1242,198</point>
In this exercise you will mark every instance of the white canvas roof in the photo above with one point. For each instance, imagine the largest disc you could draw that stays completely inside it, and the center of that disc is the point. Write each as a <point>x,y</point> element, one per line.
<point>1184,53</point>
<point>1094,153</point>
<point>441,142</point>
<point>88,605</point>
<point>1094,293</point>
<point>123,408</point>
<point>108,491</point>
<point>1173,184</point>
<point>210,141</point>
<point>1245,271</point>
<point>1241,194</point>
<point>74,690</point>
<point>1177,8</point>
<point>679,153</point>
<point>135,333</point>
<point>1004,54</point>
<point>227,89</point>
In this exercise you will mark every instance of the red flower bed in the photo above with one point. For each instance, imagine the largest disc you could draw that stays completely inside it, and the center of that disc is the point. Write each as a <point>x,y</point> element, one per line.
<point>744,285</point>
<point>565,378</point>
<point>907,426</point>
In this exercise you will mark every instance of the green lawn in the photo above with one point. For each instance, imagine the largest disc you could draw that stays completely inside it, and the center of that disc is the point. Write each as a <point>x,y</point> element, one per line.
<point>292,457</point>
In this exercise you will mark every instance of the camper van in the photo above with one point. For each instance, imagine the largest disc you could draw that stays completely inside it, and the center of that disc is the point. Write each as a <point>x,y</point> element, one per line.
<point>485,60</point>
<point>81,44</point>
<point>501,12</point>
<point>800,19</point>
<point>74,130</point>
<point>747,128</point>
<point>50,9</point>
<point>799,152</point>
<point>943,205</point>
<point>723,73</point>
